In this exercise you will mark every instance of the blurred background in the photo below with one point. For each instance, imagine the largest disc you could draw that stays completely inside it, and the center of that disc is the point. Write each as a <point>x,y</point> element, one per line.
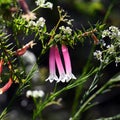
<point>84,13</point>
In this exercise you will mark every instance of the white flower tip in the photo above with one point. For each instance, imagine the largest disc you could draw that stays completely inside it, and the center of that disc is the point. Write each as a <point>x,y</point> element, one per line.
<point>66,77</point>
<point>70,76</point>
<point>52,77</point>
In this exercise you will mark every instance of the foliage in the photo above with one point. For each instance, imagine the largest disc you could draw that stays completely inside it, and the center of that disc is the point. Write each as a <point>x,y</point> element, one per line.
<point>23,22</point>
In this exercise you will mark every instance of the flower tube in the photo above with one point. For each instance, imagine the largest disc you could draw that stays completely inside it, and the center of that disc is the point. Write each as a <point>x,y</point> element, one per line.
<point>6,86</point>
<point>52,68</point>
<point>61,71</point>
<point>66,56</point>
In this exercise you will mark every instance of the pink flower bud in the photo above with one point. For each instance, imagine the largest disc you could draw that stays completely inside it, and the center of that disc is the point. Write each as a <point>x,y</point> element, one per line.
<point>52,68</point>
<point>6,86</point>
<point>68,68</point>
<point>22,50</point>
<point>59,65</point>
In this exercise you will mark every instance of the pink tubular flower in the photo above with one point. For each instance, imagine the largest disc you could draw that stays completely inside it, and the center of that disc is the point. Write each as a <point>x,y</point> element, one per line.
<point>59,66</point>
<point>66,56</point>
<point>6,86</point>
<point>52,68</point>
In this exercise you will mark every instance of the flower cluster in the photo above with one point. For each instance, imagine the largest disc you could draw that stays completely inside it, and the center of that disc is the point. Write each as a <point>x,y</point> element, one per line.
<point>54,58</point>
<point>112,32</point>
<point>111,50</point>
<point>44,4</point>
<point>66,30</point>
<point>35,93</point>
<point>98,55</point>
<point>39,23</point>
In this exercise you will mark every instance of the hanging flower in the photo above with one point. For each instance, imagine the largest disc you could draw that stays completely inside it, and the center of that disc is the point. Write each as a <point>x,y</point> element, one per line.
<point>6,86</point>
<point>52,68</point>
<point>68,68</point>
<point>54,57</point>
<point>62,76</point>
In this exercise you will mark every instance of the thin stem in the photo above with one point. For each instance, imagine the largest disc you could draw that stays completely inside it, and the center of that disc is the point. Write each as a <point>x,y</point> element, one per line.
<point>82,108</point>
<point>79,89</point>
<point>108,12</point>
<point>36,9</point>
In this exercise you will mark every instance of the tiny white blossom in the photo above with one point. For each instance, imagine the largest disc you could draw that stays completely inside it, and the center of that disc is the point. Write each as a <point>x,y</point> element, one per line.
<point>110,49</point>
<point>29,93</point>
<point>41,93</point>
<point>114,29</point>
<point>66,30</point>
<point>42,4</point>
<point>49,5</point>
<point>35,94</point>
<point>31,24</point>
<point>69,22</point>
<point>40,22</point>
<point>103,42</point>
<point>105,33</point>
<point>98,55</point>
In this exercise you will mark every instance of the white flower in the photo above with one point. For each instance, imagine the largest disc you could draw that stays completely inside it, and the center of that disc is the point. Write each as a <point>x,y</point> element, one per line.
<point>40,22</point>
<point>69,22</point>
<point>98,55</point>
<point>103,42</point>
<point>114,29</point>
<point>31,23</point>
<point>49,5</point>
<point>112,32</point>
<point>41,93</point>
<point>66,30</point>
<point>35,93</point>
<point>105,33</point>
<point>111,49</point>
<point>29,93</point>
<point>42,4</point>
